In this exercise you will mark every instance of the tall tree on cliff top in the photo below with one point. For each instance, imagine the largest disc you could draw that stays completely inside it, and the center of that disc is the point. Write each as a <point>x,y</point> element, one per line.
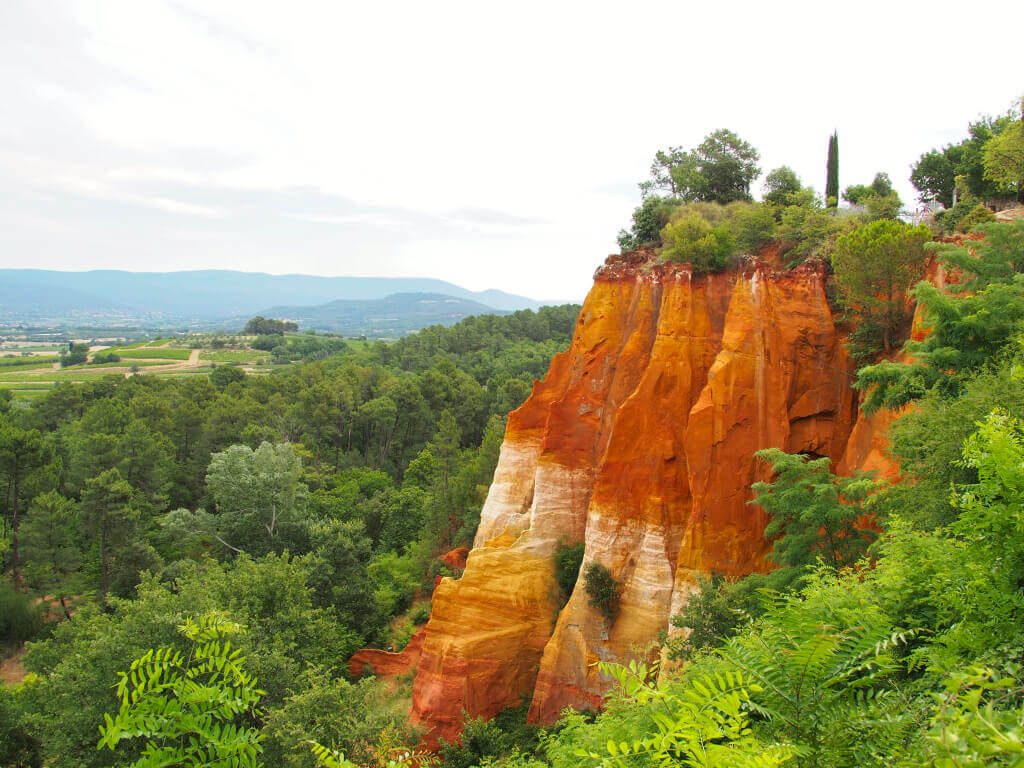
<point>832,174</point>
<point>875,266</point>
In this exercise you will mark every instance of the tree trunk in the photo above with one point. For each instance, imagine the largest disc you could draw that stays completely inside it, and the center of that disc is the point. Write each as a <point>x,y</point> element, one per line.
<point>103,558</point>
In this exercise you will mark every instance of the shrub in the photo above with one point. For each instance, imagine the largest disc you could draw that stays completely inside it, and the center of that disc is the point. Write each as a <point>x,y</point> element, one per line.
<point>20,620</point>
<point>751,224</point>
<point>602,589</point>
<point>689,238</point>
<point>979,214</point>
<point>568,558</point>
<point>105,357</point>
<point>420,614</point>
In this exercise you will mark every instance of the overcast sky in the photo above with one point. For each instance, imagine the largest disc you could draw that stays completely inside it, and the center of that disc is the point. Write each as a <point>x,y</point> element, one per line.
<point>492,145</point>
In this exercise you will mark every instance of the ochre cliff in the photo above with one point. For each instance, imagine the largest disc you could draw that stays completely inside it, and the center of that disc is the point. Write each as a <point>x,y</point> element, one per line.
<point>640,443</point>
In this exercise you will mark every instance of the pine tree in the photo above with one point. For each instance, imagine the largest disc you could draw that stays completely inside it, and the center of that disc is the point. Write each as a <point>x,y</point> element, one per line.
<point>832,176</point>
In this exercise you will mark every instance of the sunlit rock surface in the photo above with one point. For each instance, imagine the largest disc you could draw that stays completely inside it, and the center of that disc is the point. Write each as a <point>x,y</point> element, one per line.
<point>639,442</point>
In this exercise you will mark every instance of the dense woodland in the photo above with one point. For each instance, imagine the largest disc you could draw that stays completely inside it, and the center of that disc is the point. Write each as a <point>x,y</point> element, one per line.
<point>228,541</point>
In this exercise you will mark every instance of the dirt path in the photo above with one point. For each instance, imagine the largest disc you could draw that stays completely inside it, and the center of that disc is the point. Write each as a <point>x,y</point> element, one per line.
<point>11,670</point>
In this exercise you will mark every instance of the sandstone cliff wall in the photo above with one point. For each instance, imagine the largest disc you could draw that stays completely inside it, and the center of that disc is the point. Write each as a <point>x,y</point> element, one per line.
<point>639,442</point>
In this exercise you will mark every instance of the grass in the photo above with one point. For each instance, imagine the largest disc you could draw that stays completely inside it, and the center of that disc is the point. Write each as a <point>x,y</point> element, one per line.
<point>19,362</point>
<point>123,364</point>
<point>51,375</point>
<point>36,348</point>
<point>42,385</point>
<point>152,353</point>
<point>234,356</point>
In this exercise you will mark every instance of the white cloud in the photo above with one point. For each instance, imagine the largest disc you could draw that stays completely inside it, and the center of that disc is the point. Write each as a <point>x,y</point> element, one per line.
<point>492,145</point>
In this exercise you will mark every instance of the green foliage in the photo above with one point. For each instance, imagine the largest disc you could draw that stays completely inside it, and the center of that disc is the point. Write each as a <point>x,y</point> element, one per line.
<point>995,259</point>
<point>105,356</point>
<point>961,167</point>
<point>815,515</point>
<point>191,709</point>
<point>809,227</point>
<point>20,618</point>
<point>111,524</point>
<point>344,716</point>
<point>648,220</point>
<point>970,729</point>
<point>720,169</point>
<point>1003,157</point>
<point>966,331</point>
<point>259,496</point>
<point>934,176</point>
<point>76,354</point>
<point>874,265</point>
<point>817,679</point>
<point>602,589</point>
<point>50,544</point>
<point>928,441</point>
<point>859,194</point>
<point>752,225</point>
<point>781,186</point>
<point>18,748</point>
<point>481,740</point>
<point>979,214</point>
<point>706,724</point>
<point>568,559</point>
<point>223,375</point>
<point>690,239</point>
<point>259,326</point>
<point>712,614</point>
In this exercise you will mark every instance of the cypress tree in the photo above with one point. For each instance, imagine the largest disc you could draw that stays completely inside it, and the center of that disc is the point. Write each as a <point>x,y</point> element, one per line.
<point>832,176</point>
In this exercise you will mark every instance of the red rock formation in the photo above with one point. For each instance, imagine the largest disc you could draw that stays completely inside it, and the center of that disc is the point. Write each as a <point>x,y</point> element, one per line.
<point>456,558</point>
<point>640,443</point>
<point>384,664</point>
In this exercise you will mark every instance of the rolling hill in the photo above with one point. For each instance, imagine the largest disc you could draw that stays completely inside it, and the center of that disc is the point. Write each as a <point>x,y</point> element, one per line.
<point>32,295</point>
<point>390,317</point>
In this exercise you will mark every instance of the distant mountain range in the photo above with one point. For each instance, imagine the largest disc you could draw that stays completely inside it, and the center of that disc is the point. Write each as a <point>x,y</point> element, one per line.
<point>391,317</point>
<point>215,297</point>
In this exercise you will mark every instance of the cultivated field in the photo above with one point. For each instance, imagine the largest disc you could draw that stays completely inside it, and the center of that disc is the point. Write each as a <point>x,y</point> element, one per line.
<point>29,377</point>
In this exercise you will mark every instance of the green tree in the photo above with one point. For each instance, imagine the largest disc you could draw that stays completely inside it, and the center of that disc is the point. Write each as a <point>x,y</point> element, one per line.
<point>1003,157</point>
<point>966,330</point>
<point>813,514</point>
<point>720,169</point>
<point>934,176</point>
<point>223,375</point>
<point>111,523</point>
<point>661,173</point>
<point>780,185</point>
<point>648,220</point>
<point>192,709</point>
<point>726,166</point>
<point>260,497</point>
<point>875,265</point>
<point>50,545</point>
<point>24,455</point>
<point>344,716</point>
<point>832,172</point>
<point>76,354</point>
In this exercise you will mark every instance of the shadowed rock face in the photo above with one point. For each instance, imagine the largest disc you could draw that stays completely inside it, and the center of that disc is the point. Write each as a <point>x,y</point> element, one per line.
<point>639,442</point>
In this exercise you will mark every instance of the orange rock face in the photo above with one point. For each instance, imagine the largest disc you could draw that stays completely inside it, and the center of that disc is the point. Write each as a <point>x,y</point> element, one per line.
<point>640,443</point>
<point>384,664</point>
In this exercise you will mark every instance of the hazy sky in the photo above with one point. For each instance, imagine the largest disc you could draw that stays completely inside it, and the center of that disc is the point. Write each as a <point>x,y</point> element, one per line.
<point>493,145</point>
